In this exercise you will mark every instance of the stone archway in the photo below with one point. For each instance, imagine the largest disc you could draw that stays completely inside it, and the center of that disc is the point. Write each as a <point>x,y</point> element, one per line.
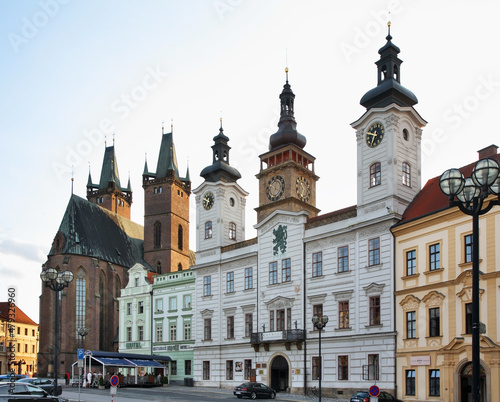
<point>280,374</point>
<point>466,383</point>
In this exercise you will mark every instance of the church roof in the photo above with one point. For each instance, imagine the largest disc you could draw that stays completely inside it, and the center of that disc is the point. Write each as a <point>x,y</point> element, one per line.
<point>167,159</point>
<point>109,172</point>
<point>93,231</point>
<point>20,316</point>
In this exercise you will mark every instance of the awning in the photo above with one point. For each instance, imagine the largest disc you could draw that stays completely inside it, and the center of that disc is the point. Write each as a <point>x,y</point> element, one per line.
<point>145,363</point>
<point>110,361</point>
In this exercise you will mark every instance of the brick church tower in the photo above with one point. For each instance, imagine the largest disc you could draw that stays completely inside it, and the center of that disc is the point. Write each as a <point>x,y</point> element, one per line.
<point>166,212</point>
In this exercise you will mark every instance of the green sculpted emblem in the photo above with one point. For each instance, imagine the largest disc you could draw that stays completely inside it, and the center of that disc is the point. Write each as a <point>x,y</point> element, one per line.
<point>279,240</point>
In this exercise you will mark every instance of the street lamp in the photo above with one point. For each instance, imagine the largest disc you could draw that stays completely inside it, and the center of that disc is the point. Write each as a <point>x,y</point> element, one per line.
<point>320,322</point>
<point>471,193</point>
<point>56,281</point>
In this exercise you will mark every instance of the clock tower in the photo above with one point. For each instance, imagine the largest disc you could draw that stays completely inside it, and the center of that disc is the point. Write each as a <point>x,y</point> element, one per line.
<point>388,138</point>
<point>220,201</point>
<point>286,179</point>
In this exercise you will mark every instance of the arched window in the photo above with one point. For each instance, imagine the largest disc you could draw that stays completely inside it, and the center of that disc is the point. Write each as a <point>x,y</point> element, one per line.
<point>232,231</point>
<point>118,286</point>
<point>80,300</point>
<point>375,174</point>
<point>208,230</point>
<point>102,312</point>
<point>179,267</point>
<point>179,237</point>
<point>157,235</point>
<point>158,267</point>
<point>406,178</point>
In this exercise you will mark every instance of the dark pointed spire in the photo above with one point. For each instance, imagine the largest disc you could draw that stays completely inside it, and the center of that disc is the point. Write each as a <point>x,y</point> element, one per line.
<point>287,126</point>
<point>129,186</point>
<point>146,171</point>
<point>109,171</point>
<point>389,89</point>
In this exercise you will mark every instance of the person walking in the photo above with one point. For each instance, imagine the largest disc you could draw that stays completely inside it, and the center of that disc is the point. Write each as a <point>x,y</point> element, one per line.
<point>67,377</point>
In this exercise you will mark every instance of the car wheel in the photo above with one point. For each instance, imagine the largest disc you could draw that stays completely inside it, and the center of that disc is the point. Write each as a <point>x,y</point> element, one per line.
<point>253,396</point>
<point>273,395</point>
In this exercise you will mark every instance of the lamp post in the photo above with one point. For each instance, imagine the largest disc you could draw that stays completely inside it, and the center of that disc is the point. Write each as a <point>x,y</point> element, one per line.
<point>82,331</point>
<point>471,194</point>
<point>320,322</point>
<point>56,281</point>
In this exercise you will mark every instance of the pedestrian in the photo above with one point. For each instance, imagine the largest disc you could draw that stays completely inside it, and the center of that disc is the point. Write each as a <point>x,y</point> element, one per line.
<point>89,379</point>
<point>67,377</point>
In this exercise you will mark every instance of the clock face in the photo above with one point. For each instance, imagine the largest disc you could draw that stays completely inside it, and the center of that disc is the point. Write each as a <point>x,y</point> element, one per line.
<point>303,189</point>
<point>374,135</point>
<point>275,188</point>
<point>208,200</point>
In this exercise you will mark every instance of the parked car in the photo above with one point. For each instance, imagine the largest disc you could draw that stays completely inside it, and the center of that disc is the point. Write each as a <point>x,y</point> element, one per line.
<point>26,392</point>
<point>254,390</point>
<point>46,384</point>
<point>364,396</point>
<point>8,378</point>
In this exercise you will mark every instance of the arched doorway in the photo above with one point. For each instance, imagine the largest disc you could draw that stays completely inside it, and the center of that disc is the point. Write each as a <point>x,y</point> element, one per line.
<point>279,374</point>
<point>466,383</point>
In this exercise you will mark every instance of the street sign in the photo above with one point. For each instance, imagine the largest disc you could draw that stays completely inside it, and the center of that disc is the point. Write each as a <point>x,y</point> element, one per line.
<point>374,391</point>
<point>80,354</point>
<point>114,380</point>
<point>113,390</point>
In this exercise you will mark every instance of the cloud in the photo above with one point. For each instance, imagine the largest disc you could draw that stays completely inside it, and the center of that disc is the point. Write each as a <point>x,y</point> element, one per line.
<point>28,251</point>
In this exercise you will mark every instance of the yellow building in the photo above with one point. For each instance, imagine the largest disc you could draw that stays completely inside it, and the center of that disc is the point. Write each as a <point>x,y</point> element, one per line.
<point>433,252</point>
<point>24,338</point>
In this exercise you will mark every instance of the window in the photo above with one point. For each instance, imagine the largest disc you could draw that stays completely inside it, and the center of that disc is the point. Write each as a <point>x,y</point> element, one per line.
<point>372,369</point>
<point>208,230</point>
<point>286,272</point>
<point>207,286</point>
<point>468,318</point>
<point>317,310</point>
<point>406,178</point>
<point>247,368</point>
<point>283,319</point>
<point>229,369</point>
<point>230,327</point>
<point>273,273</point>
<point>271,320</point>
<point>316,369</point>
<point>375,310</point>
<point>172,303</point>
<point>207,329</point>
<point>230,282</point>
<point>141,307</point>
<point>373,251</point>
<point>25,348</point>
<point>186,302</point>
<point>157,235</point>
<point>180,237</point>
<point>129,334</point>
<point>248,324</point>
<point>434,383</point>
<point>468,248</point>
<point>140,332</point>
<point>343,259</point>
<point>411,262</point>
<point>344,314</point>
<point>280,320</point>
<point>317,264</point>
<point>411,324</point>
<point>434,327</point>
<point>206,370</point>
<point>159,333</point>
<point>375,176</point>
<point>173,332</point>
<point>80,301</point>
<point>434,257</point>
<point>136,282</point>
<point>159,305</point>
<point>173,367</point>
<point>410,382</point>
<point>187,367</point>
<point>343,370</point>
<point>232,231</point>
<point>248,278</point>
<point>187,331</point>
<point>26,331</point>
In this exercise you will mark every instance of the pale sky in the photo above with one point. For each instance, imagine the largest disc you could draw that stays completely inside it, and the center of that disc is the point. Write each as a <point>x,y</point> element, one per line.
<point>75,71</point>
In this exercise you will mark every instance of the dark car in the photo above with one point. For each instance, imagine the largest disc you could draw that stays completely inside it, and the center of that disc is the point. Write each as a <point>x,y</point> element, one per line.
<point>9,378</point>
<point>364,396</point>
<point>46,384</point>
<point>254,390</point>
<point>26,392</point>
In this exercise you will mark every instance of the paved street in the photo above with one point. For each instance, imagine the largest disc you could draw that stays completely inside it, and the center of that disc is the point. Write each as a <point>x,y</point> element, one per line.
<point>171,393</point>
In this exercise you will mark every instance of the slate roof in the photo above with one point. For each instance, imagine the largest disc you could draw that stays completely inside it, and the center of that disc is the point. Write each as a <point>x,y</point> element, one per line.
<point>109,172</point>
<point>20,316</point>
<point>93,231</point>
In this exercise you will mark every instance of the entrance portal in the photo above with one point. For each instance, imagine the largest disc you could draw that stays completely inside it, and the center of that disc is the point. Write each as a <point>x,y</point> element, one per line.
<point>466,384</point>
<point>279,374</point>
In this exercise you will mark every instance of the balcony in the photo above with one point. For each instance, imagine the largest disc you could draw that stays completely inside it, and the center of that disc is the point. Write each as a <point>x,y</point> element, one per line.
<point>286,337</point>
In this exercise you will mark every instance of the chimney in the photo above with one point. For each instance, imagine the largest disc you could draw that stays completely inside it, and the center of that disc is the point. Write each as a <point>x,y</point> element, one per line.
<point>488,152</point>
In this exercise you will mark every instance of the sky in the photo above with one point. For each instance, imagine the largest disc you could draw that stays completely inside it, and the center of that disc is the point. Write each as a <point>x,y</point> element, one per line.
<point>77,74</point>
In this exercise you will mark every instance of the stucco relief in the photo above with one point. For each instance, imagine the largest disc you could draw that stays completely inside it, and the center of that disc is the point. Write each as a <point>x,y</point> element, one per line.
<point>434,342</point>
<point>344,295</point>
<point>392,121</point>
<point>220,192</point>
<point>375,230</point>
<point>246,262</point>
<point>279,302</point>
<point>410,343</point>
<point>374,288</point>
<point>433,299</point>
<point>279,219</point>
<point>410,303</point>
<point>360,134</point>
<point>248,308</point>
<point>207,313</point>
<point>317,298</point>
<point>230,311</point>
